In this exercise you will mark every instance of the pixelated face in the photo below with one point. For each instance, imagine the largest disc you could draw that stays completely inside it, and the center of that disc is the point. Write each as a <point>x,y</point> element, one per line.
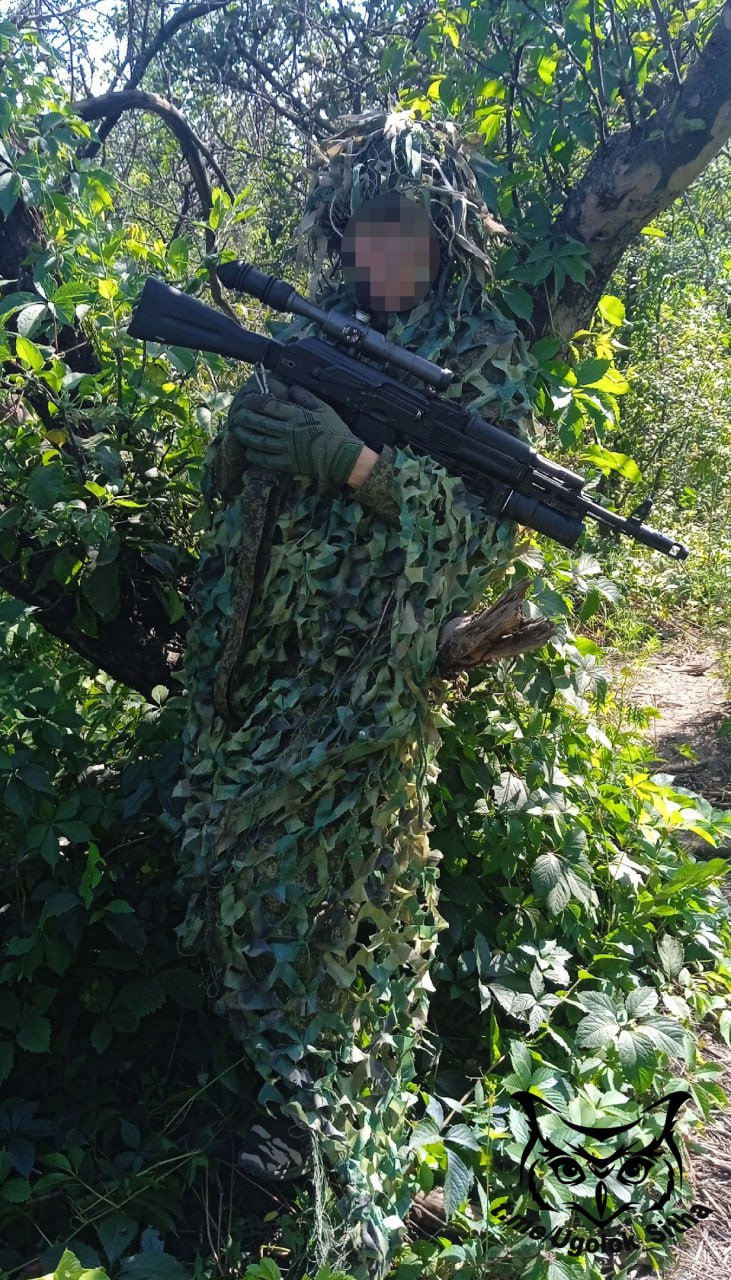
<point>602,1172</point>
<point>389,254</point>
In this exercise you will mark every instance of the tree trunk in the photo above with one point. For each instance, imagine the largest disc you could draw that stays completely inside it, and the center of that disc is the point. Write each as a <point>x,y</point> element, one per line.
<point>640,172</point>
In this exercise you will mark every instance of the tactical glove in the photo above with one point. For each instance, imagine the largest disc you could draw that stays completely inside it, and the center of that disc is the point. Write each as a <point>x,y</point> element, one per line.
<point>296,431</point>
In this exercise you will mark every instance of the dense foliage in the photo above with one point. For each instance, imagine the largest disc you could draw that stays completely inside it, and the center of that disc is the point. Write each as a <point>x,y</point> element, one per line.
<point>585,943</point>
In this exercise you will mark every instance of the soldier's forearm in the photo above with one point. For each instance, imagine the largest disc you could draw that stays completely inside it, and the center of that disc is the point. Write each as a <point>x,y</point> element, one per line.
<point>365,462</point>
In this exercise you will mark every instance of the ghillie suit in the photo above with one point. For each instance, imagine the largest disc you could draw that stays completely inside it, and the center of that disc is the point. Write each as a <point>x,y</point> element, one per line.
<point>312,739</point>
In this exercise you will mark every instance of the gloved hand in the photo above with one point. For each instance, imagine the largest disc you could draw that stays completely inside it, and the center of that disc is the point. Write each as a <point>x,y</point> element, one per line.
<point>296,431</point>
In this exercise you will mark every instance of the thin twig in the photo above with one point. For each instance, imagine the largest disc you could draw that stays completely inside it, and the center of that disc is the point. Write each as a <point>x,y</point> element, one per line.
<point>667,42</point>
<point>599,72</point>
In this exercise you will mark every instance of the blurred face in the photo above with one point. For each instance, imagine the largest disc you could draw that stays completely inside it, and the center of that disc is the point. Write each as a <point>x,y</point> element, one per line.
<point>394,268</point>
<point>389,254</point>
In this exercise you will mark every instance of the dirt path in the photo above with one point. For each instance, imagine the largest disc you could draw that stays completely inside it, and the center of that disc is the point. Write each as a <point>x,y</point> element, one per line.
<point>684,686</point>
<point>682,683</point>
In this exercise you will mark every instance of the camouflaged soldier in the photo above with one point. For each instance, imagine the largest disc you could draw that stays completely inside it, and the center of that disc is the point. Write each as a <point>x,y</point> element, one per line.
<point>325,579</point>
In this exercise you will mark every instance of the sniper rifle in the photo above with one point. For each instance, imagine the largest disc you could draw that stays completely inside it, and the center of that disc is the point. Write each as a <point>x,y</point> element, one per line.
<point>347,370</point>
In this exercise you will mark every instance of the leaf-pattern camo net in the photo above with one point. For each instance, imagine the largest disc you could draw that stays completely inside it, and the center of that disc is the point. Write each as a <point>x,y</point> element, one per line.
<point>312,885</point>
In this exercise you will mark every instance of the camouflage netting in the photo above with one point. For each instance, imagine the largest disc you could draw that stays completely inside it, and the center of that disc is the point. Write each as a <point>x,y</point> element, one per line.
<point>312,738</point>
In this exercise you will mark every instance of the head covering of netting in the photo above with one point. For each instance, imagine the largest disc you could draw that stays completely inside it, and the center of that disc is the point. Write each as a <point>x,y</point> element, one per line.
<point>457,324</point>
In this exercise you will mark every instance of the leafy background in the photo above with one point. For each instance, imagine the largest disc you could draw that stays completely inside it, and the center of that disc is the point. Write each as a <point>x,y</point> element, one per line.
<point>587,946</point>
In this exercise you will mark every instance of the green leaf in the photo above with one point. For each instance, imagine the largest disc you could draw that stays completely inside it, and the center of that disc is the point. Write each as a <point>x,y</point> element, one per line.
<point>156,1266</point>
<point>424,1133</point>
<point>75,831</point>
<point>611,309</point>
<point>562,1269</point>
<point>115,1234</point>
<point>29,354</point>
<point>462,1136</point>
<point>641,1002</point>
<point>46,485</point>
<point>101,1035</point>
<point>10,192</point>
<point>30,317</point>
<point>36,777</point>
<point>665,1034</point>
<point>7,1054</point>
<point>457,1183</point>
<point>597,1030</point>
<point>101,588</point>
<point>171,599</point>
<point>608,461</point>
<point>522,1063</point>
<point>547,872</point>
<point>670,951</point>
<point>518,300</point>
<point>35,1034</point>
<point>58,955</point>
<point>69,1267</point>
<point>15,1190</point>
<point>143,995</point>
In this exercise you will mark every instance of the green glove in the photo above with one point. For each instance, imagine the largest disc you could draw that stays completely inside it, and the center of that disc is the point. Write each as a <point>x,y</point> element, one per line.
<point>293,430</point>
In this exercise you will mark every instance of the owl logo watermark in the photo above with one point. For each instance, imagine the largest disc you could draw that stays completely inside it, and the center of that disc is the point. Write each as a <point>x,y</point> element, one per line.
<point>605,1178</point>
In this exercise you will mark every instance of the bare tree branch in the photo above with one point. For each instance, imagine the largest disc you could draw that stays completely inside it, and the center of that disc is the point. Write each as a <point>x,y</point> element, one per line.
<point>186,14</point>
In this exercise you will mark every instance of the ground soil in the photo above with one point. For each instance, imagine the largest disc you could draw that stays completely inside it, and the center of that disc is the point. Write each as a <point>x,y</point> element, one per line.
<point>682,682</point>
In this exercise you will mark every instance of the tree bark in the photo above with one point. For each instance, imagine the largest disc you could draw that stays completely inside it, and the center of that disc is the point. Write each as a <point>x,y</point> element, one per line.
<point>500,631</point>
<point>639,173</point>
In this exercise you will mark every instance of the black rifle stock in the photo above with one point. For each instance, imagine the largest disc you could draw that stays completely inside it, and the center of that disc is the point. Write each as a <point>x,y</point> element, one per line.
<point>511,478</point>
